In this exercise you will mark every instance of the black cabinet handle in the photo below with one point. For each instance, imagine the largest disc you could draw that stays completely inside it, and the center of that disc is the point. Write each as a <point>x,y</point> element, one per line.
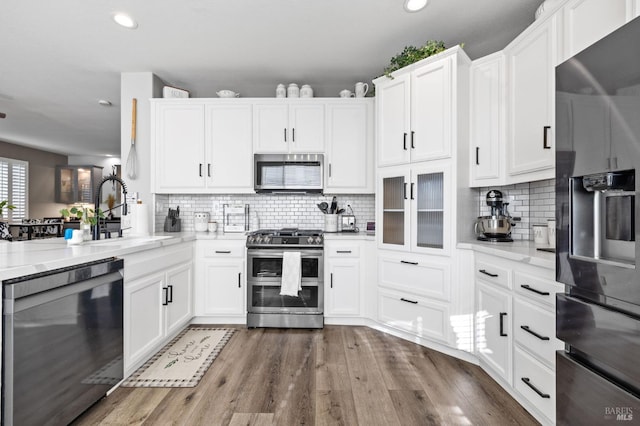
<point>484,271</point>
<point>329,169</point>
<point>200,169</point>
<point>477,155</point>
<point>343,251</point>
<point>165,302</point>
<point>545,141</point>
<point>535,389</point>
<point>412,184</point>
<point>527,287</point>
<point>412,145</point>
<point>404,141</point>
<point>331,279</point>
<point>409,301</point>
<point>405,191</point>
<point>223,251</point>
<point>293,134</point>
<point>209,169</point>
<point>502,315</point>
<point>408,263</point>
<point>239,279</point>
<point>528,330</point>
<point>285,134</point>
<point>170,295</point>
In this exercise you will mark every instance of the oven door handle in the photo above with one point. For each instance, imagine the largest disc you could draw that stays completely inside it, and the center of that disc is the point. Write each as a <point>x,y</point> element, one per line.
<point>279,253</point>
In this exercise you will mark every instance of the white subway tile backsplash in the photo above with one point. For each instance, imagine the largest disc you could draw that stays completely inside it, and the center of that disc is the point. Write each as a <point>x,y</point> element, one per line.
<point>534,202</point>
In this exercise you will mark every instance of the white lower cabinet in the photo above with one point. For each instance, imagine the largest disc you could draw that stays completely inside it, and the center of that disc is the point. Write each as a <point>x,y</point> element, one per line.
<point>342,278</point>
<point>517,300</point>
<point>158,302</point>
<point>221,280</point>
<point>493,333</point>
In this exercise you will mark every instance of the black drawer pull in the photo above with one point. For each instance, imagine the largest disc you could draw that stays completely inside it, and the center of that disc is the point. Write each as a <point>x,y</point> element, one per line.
<point>527,287</point>
<point>239,279</point>
<point>343,251</point>
<point>408,263</point>
<point>404,141</point>
<point>165,301</point>
<point>285,134</point>
<point>223,251</point>
<point>477,155</point>
<point>412,145</point>
<point>545,142</point>
<point>170,295</point>
<point>331,275</point>
<point>502,315</point>
<point>209,169</point>
<point>200,170</point>
<point>528,330</point>
<point>484,271</point>
<point>535,389</point>
<point>409,301</point>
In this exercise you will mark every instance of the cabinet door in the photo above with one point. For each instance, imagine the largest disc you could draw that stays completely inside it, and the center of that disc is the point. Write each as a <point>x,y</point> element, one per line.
<point>431,224</point>
<point>179,298</point>
<point>487,120</point>
<point>306,127</point>
<point>270,128</point>
<point>431,98</point>
<point>393,208</point>
<point>349,148</point>
<point>179,147</point>
<point>343,294</point>
<point>532,61</point>
<point>393,119</point>
<point>143,325</point>
<point>587,21</point>
<point>493,329</point>
<point>229,141</point>
<point>224,287</point>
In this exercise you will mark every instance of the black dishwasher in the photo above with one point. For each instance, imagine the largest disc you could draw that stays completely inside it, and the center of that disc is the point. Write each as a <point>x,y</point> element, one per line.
<point>62,342</point>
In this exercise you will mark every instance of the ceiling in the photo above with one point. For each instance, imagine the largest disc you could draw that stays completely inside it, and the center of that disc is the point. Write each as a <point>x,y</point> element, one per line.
<point>58,58</point>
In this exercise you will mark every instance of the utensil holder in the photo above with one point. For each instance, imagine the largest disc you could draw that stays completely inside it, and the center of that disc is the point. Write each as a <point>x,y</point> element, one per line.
<point>330,223</point>
<point>170,226</point>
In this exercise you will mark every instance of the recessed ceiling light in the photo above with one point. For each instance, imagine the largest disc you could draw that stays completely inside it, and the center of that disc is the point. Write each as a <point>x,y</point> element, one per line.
<point>414,5</point>
<point>104,102</point>
<point>125,20</point>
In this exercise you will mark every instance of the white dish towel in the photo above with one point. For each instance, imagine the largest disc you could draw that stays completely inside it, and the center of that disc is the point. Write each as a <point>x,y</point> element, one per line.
<point>291,273</point>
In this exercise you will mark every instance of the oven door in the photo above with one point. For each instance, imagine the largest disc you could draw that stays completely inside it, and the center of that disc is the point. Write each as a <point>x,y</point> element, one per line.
<point>264,278</point>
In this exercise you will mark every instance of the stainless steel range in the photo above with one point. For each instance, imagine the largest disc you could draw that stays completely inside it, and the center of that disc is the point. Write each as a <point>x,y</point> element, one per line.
<point>266,249</point>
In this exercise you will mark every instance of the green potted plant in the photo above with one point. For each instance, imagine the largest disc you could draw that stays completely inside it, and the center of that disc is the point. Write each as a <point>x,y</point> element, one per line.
<point>5,234</point>
<point>4,204</point>
<point>412,54</point>
<point>86,216</point>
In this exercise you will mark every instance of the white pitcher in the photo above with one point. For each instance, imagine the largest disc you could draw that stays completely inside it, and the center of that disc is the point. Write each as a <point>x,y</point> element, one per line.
<point>361,89</point>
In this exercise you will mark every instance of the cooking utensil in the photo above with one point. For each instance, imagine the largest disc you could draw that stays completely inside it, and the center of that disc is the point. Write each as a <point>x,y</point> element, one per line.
<point>132,159</point>
<point>334,205</point>
<point>323,207</point>
<point>340,211</point>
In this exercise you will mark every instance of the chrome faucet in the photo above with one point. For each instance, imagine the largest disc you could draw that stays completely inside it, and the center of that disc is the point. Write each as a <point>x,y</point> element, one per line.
<point>110,178</point>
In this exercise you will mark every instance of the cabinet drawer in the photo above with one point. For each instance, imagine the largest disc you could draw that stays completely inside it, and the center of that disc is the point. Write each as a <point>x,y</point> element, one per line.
<point>535,288</point>
<point>342,251</point>
<point>222,251</point>
<point>492,273</point>
<point>416,274</point>
<point>539,332</point>
<point>540,390</point>
<point>412,314</point>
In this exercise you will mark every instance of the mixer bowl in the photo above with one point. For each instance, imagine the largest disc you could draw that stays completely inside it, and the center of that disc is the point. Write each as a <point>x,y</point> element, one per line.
<point>493,226</point>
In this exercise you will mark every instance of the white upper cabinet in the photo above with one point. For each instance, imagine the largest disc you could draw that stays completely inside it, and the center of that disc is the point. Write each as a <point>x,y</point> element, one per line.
<point>349,161</point>
<point>531,60</point>
<point>201,146</point>
<point>393,120</point>
<point>230,136</point>
<point>487,124</point>
<point>415,111</point>
<point>284,126</point>
<point>178,136</point>
<point>431,99</point>
<point>587,21</point>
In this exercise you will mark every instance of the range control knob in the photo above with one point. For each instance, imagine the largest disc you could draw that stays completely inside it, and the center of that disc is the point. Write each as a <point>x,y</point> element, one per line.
<point>309,240</point>
<point>267,239</point>
<point>318,240</point>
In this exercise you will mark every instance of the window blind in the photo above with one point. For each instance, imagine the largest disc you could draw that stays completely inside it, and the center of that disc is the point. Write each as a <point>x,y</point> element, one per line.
<point>14,187</point>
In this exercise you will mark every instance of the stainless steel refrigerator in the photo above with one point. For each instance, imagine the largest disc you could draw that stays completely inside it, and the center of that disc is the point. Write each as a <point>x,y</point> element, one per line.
<point>597,158</point>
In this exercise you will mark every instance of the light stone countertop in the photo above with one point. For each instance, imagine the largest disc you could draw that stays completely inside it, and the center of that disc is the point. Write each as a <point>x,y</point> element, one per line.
<point>341,236</point>
<point>520,251</point>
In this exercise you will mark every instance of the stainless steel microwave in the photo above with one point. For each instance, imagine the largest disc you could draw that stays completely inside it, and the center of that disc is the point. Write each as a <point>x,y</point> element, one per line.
<point>288,173</point>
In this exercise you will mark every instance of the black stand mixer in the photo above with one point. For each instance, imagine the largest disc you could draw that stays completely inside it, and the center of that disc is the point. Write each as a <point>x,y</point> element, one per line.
<point>497,227</point>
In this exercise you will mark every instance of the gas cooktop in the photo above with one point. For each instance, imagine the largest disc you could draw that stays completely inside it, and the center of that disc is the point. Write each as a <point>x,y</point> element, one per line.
<point>289,237</point>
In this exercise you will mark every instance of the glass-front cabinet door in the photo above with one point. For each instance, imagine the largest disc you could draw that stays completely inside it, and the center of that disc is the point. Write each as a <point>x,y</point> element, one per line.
<point>414,209</point>
<point>430,213</point>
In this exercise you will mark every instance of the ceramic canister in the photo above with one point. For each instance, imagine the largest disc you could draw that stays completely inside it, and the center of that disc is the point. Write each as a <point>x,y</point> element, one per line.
<point>293,91</point>
<point>200,221</point>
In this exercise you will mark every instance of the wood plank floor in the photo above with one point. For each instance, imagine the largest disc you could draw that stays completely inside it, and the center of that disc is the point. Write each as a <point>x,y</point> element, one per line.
<point>339,375</point>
